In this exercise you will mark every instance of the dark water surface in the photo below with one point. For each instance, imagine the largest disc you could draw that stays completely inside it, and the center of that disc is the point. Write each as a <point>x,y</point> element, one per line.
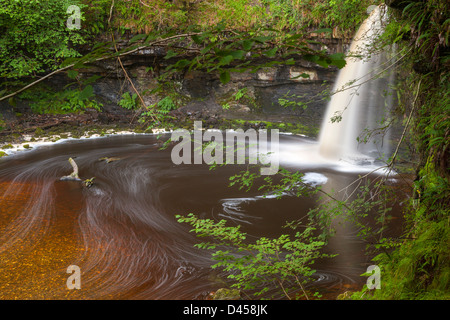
<point>122,232</point>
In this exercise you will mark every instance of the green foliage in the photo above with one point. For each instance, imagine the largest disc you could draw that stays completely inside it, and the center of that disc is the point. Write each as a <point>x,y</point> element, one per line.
<point>295,101</point>
<point>253,265</point>
<point>418,268</point>
<point>34,36</point>
<point>240,15</point>
<point>346,15</point>
<point>128,101</point>
<point>285,13</point>
<point>367,206</point>
<point>285,260</point>
<point>165,105</point>
<point>96,16</point>
<point>44,100</point>
<point>240,94</point>
<point>418,265</point>
<point>223,52</point>
<point>159,111</point>
<point>2,123</point>
<point>150,15</point>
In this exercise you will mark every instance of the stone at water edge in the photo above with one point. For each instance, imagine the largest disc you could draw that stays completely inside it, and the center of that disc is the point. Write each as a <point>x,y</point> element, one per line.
<point>227,294</point>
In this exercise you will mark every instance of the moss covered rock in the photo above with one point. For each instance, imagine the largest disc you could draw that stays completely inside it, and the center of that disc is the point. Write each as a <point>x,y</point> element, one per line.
<point>227,294</point>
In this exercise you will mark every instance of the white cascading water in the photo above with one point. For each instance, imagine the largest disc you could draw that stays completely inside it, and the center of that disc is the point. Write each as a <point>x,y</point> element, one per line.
<point>360,101</point>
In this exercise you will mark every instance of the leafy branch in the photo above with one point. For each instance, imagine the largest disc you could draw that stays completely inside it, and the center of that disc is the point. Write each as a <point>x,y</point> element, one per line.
<point>285,260</point>
<point>222,51</point>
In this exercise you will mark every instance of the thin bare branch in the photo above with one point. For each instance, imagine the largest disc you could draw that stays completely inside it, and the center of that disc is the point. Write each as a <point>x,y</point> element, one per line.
<point>129,79</point>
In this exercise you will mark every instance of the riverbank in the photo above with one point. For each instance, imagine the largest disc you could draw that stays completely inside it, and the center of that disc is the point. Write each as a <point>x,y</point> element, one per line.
<point>28,130</point>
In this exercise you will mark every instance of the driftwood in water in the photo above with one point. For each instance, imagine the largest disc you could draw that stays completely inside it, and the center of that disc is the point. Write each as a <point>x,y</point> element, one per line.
<point>109,159</point>
<point>74,175</point>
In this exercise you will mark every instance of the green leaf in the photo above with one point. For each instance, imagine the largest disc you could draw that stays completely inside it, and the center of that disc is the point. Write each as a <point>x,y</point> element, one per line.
<point>337,59</point>
<point>238,54</point>
<point>226,60</point>
<point>207,48</point>
<point>271,53</point>
<point>196,39</point>
<point>290,61</point>
<point>91,79</point>
<point>225,77</point>
<point>170,54</point>
<point>99,45</point>
<point>80,65</point>
<point>87,92</point>
<point>317,59</point>
<point>12,101</point>
<point>296,36</point>
<point>311,57</point>
<point>322,30</point>
<point>72,74</point>
<point>68,62</point>
<point>323,63</point>
<point>182,63</point>
<point>247,44</point>
<point>137,38</point>
<point>261,39</point>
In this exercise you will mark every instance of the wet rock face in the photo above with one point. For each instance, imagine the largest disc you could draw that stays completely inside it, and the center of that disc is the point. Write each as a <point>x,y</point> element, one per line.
<point>264,87</point>
<point>293,91</point>
<point>270,93</point>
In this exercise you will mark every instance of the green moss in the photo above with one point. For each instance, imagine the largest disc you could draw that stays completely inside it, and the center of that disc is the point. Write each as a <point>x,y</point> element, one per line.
<point>7,146</point>
<point>39,132</point>
<point>419,267</point>
<point>344,296</point>
<point>295,128</point>
<point>227,294</point>
<point>3,154</point>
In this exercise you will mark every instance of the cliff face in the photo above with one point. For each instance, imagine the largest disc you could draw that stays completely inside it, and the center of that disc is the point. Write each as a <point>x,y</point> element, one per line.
<point>281,93</point>
<point>275,93</point>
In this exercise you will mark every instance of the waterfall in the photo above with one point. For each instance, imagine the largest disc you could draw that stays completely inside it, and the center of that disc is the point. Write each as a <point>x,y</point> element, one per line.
<point>359,104</point>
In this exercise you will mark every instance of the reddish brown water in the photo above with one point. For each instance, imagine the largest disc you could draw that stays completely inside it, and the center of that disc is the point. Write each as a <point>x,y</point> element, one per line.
<point>122,232</point>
